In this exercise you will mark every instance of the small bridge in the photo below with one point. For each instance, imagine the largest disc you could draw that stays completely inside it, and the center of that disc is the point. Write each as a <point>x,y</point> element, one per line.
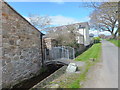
<point>64,62</point>
<point>59,54</point>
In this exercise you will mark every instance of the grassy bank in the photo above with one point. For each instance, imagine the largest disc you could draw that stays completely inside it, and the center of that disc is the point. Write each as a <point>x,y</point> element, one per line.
<point>116,42</point>
<point>92,53</point>
<point>73,80</point>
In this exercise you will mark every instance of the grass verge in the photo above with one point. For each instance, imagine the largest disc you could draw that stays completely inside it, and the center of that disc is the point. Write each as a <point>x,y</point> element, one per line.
<point>94,52</point>
<point>116,42</point>
<point>74,80</point>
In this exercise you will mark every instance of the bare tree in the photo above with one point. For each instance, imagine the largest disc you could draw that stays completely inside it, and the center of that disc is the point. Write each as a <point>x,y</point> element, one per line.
<point>41,22</point>
<point>104,17</point>
<point>94,5</point>
<point>102,36</point>
<point>119,19</point>
<point>65,35</point>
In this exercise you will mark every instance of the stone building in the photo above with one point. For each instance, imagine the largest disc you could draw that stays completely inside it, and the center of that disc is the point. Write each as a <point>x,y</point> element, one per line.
<point>20,47</point>
<point>49,42</point>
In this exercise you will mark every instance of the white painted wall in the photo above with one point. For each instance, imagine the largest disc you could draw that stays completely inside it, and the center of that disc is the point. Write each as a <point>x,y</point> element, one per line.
<point>79,39</point>
<point>85,33</point>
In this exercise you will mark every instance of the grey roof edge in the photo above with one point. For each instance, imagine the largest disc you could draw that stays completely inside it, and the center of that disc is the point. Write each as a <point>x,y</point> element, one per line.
<point>70,25</point>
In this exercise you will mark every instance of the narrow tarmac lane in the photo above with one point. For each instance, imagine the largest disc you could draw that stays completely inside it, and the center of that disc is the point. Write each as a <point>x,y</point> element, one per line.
<point>105,73</point>
<point>110,64</point>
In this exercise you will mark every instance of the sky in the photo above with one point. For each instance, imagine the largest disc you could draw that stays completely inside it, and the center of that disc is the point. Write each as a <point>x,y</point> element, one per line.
<point>61,13</point>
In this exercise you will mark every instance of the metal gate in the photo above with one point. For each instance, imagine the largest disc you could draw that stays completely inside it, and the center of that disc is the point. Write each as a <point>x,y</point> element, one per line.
<point>61,52</point>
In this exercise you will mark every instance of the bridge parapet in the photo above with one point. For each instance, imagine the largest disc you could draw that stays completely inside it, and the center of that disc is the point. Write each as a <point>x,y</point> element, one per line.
<point>61,52</point>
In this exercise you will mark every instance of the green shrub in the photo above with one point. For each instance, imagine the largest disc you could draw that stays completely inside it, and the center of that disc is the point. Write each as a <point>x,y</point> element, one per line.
<point>96,39</point>
<point>77,54</point>
<point>116,42</point>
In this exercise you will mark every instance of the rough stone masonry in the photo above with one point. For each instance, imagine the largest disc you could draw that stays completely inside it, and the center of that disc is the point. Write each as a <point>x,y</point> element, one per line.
<point>20,47</point>
<point>0,45</point>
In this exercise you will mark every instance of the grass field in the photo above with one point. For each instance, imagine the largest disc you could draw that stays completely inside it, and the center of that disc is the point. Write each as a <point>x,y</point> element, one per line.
<point>116,42</point>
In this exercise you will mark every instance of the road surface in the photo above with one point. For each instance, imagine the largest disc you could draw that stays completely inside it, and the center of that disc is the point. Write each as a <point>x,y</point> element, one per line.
<point>105,73</point>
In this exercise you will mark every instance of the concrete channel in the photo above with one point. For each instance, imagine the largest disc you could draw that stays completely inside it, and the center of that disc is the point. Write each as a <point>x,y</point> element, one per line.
<point>52,72</point>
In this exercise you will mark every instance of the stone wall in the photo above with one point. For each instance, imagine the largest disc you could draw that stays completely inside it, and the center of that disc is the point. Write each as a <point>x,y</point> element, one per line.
<point>50,78</point>
<point>79,50</point>
<point>50,42</point>
<point>21,58</point>
<point>0,45</point>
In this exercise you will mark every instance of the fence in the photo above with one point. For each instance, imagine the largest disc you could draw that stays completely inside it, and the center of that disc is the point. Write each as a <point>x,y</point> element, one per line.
<point>61,52</point>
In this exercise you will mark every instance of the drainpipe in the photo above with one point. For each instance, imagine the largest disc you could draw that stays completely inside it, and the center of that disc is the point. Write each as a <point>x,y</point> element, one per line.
<point>41,36</point>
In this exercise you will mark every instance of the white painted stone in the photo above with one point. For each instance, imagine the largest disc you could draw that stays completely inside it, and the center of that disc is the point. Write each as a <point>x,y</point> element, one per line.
<point>18,42</point>
<point>72,67</point>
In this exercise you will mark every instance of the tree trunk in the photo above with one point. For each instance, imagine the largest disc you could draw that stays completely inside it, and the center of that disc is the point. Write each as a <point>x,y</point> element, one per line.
<point>113,35</point>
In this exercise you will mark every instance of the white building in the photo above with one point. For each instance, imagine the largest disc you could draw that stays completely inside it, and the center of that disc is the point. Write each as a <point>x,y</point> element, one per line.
<point>83,29</point>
